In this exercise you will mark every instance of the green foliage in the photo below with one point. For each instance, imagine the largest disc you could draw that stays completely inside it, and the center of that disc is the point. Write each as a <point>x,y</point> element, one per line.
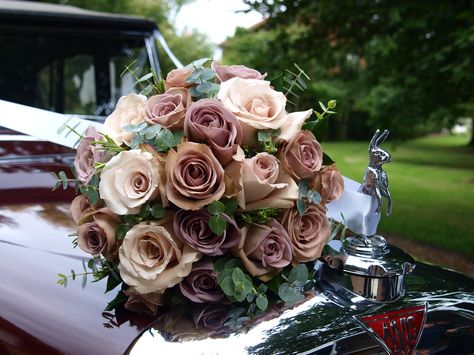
<point>149,211</point>
<point>217,223</point>
<point>260,216</point>
<point>161,139</point>
<point>266,140</point>
<point>305,194</point>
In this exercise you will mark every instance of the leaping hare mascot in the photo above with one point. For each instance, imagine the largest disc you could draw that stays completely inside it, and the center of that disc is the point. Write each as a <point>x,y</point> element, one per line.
<point>376,179</point>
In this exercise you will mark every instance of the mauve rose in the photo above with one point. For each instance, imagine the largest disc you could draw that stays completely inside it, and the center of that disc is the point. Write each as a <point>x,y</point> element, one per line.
<point>194,176</point>
<point>87,155</point>
<point>79,205</point>
<point>226,72</point>
<point>96,232</point>
<point>308,233</point>
<point>329,183</point>
<point>130,110</point>
<point>208,120</point>
<point>201,285</point>
<point>192,228</point>
<point>211,317</point>
<point>303,156</point>
<point>153,259</point>
<point>177,78</point>
<point>169,109</point>
<point>143,303</point>
<point>128,180</point>
<point>265,249</point>
<point>264,184</point>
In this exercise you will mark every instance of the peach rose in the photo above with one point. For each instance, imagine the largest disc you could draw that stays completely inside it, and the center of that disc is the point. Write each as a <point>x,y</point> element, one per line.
<point>96,232</point>
<point>303,156</point>
<point>329,183</point>
<point>153,259</point>
<point>169,109</point>
<point>194,176</point>
<point>177,78</point>
<point>226,72</point>
<point>308,233</point>
<point>265,249</point>
<point>78,205</point>
<point>130,110</point>
<point>265,184</point>
<point>128,180</point>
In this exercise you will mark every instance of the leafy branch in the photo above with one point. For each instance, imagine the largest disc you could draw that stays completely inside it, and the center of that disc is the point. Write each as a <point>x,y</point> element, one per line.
<point>161,139</point>
<point>312,196</point>
<point>292,81</point>
<point>203,79</point>
<point>148,212</point>
<point>149,84</point>
<point>260,216</point>
<point>265,137</point>
<point>320,126</point>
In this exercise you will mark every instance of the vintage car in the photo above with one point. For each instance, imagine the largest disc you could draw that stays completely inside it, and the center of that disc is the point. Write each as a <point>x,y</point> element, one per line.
<point>369,297</point>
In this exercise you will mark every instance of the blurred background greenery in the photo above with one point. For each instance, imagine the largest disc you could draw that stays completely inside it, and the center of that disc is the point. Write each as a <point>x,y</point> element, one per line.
<point>407,66</point>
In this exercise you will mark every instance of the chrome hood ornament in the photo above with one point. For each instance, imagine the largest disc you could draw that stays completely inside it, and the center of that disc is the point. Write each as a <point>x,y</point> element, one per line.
<point>360,268</point>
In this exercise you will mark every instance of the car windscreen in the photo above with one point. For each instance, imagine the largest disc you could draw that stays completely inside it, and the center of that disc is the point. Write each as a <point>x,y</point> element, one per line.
<point>67,74</point>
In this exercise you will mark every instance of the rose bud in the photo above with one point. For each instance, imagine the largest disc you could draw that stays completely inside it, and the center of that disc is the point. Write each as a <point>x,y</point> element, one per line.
<point>308,233</point>
<point>88,154</point>
<point>265,249</point>
<point>208,120</point>
<point>329,183</point>
<point>192,227</point>
<point>130,110</point>
<point>194,177</point>
<point>303,156</point>
<point>226,72</point>
<point>96,232</point>
<point>153,259</point>
<point>169,109</point>
<point>177,78</point>
<point>201,285</point>
<point>211,317</point>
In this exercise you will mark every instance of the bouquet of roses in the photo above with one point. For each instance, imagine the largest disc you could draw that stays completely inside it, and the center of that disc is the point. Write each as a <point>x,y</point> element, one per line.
<point>204,189</point>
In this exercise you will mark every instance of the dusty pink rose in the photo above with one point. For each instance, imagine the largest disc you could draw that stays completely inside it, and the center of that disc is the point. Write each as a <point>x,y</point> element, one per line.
<point>211,317</point>
<point>329,183</point>
<point>192,227</point>
<point>143,303</point>
<point>78,205</point>
<point>208,120</point>
<point>169,109</point>
<point>265,249</point>
<point>96,232</point>
<point>130,110</point>
<point>87,155</point>
<point>194,176</point>
<point>303,156</point>
<point>226,72</point>
<point>308,233</point>
<point>201,285</point>
<point>265,184</point>
<point>153,259</point>
<point>177,78</point>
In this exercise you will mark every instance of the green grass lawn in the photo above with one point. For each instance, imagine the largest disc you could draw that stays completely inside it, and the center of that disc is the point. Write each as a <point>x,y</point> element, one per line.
<point>432,184</point>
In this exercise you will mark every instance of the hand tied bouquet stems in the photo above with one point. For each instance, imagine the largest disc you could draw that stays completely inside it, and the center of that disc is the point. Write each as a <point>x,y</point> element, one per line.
<point>204,190</point>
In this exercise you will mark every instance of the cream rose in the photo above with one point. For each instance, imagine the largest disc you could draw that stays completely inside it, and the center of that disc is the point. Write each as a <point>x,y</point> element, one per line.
<point>153,259</point>
<point>329,183</point>
<point>128,180</point>
<point>254,102</point>
<point>265,184</point>
<point>194,176</point>
<point>169,109</point>
<point>308,233</point>
<point>130,110</point>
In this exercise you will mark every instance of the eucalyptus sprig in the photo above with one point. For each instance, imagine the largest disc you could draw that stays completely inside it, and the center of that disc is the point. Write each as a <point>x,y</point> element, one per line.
<point>61,179</point>
<point>161,139</point>
<point>150,211</point>
<point>320,126</point>
<point>149,84</point>
<point>293,80</point>
<point>202,79</point>
<point>261,216</point>
<point>266,137</point>
<point>305,194</point>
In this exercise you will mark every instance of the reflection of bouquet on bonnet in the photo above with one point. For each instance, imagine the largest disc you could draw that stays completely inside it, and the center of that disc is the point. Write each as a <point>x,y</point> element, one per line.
<point>206,190</point>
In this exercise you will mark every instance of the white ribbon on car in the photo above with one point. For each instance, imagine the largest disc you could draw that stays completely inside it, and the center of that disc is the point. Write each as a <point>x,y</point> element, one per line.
<point>354,209</point>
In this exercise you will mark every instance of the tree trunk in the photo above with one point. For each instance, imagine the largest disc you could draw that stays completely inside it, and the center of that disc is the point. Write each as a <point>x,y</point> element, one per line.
<point>471,142</point>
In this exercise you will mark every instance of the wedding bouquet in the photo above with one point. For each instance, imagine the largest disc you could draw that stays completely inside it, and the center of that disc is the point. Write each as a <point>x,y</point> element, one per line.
<point>203,189</point>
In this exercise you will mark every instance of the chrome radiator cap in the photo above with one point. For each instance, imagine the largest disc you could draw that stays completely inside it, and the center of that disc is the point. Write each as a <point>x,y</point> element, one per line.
<point>361,268</point>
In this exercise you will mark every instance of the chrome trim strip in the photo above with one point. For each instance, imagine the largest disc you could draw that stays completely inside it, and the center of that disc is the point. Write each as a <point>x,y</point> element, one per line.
<point>159,37</point>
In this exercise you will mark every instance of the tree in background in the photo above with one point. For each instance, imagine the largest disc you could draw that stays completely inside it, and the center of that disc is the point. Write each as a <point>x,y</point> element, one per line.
<point>187,46</point>
<point>403,65</point>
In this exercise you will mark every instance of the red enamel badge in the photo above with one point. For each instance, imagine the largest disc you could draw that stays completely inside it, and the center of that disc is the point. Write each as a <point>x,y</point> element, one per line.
<point>397,331</point>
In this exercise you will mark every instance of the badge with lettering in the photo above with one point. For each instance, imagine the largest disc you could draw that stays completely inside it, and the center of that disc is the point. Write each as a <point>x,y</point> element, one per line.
<point>398,332</point>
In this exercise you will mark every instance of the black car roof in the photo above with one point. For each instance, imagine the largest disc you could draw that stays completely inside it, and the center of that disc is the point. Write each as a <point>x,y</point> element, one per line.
<point>15,12</point>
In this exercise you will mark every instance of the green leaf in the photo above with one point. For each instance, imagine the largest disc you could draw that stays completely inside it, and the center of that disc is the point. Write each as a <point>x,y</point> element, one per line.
<point>198,63</point>
<point>164,139</point>
<point>121,231</point>
<point>231,205</point>
<point>289,294</point>
<point>262,302</point>
<point>227,285</point>
<point>95,181</point>
<point>112,282</point>
<point>178,137</point>
<point>147,90</point>
<point>322,106</point>
<point>84,281</point>
<point>119,299</point>
<point>195,93</point>
<point>262,288</point>
<point>327,160</point>
<point>158,211</point>
<point>264,136</point>
<point>207,74</point>
<point>231,264</point>
<point>145,210</point>
<point>238,276</point>
<point>219,265</point>
<point>145,77</point>
<point>314,197</point>
<point>300,206</point>
<point>152,131</point>
<point>217,224</point>
<point>63,178</point>
<point>239,296</point>
<point>208,88</point>
<point>299,274</point>
<point>73,274</point>
<point>303,188</point>
<point>216,208</point>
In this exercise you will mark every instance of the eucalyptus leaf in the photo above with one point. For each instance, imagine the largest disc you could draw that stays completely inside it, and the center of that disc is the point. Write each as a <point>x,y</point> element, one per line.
<point>227,285</point>
<point>84,281</point>
<point>327,160</point>
<point>262,302</point>
<point>195,93</point>
<point>121,231</point>
<point>216,208</point>
<point>301,206</point>
<point>145,77</point>
<point>299,274</point>
<point>207,74</point>
<point>219,265</point>
<point>289,294</point>
<point>217,224</point>
<point>238,276</point>
<point>263,136</point>
<point>112,283</point>
<point>158,211</point>
<point>198,63</point>
<point>207,88</point>
<point>314,197</point>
